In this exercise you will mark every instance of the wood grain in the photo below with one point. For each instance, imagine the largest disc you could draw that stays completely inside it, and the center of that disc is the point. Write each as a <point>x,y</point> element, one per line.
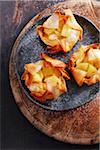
<point>79,126</point>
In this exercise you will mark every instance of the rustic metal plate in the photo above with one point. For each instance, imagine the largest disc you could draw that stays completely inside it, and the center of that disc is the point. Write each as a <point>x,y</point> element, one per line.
<point>29,49</point>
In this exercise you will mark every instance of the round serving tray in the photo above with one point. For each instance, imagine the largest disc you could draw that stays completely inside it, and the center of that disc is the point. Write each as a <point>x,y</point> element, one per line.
<point>80,125</point>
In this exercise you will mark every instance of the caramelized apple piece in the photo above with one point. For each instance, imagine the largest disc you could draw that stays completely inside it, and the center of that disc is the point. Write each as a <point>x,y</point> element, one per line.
<point>37,77</point>
<point>83,66</point>
<point>48,31</point>
<point>50,70</point>
<point>91,71</point>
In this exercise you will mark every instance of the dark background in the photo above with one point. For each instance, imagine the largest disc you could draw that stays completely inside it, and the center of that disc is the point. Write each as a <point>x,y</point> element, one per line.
<point>16,131</point>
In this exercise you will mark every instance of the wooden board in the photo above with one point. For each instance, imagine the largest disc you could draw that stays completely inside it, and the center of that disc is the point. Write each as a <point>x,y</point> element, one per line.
<point>79,126</point>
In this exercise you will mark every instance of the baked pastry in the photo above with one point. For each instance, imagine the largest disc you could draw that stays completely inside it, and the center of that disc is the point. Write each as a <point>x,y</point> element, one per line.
<point>45,78</point>
<point>85,64</point>
<point>60,31</point>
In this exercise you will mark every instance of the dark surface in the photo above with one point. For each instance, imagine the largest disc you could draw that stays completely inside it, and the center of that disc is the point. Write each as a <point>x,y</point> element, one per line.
<point>16,131</point>
<point>29,50</point>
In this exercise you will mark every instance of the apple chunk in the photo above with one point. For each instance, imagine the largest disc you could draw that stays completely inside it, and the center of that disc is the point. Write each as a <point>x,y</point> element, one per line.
<point>91,70</point>
<point>48,31</point>
<point>83,66</point>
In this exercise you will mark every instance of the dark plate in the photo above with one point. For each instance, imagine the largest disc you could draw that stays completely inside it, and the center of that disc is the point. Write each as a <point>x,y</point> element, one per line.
<point>29,49</point>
